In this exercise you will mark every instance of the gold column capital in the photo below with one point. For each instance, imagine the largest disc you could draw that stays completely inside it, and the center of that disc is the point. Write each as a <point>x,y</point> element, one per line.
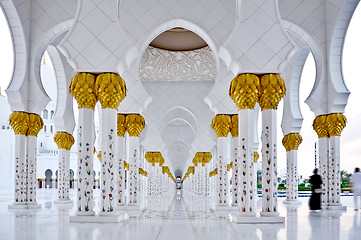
<point>244,90</point>
<point>135,124</point>
<point>64,140</point>
<point>234,125</point>
<point>320,126</point>
<point>198,158</point>
<point>255,157</point>
<point>82,88</point>
<point>207,157</point>
<point>126,165</point>
<point>110,89</point>
<point>230,166</point>
<point>19,121</point>
<point>336,123</point>
<point>121,127</point>
<point>272,90</point>
<point>221,124</point>
<point>292,141</point>
<point>35,124</point>
<point>99,155</point>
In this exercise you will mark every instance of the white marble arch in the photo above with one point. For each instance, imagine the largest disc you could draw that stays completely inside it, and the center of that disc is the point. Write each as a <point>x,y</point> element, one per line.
<point>64,115</point>
<point>25,92</point>
<point>292,117</point>
<point>17,93</point>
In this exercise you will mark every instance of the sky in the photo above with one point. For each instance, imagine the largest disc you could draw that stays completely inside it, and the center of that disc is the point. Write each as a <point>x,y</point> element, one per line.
<point>350,140</point>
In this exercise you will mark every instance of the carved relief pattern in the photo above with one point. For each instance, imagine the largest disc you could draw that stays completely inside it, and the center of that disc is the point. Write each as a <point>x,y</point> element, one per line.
<point>163,65</point>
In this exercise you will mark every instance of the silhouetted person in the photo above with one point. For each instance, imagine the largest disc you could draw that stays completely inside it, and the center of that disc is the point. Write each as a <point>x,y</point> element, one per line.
<point>315,200</point>
<point>355,184</point>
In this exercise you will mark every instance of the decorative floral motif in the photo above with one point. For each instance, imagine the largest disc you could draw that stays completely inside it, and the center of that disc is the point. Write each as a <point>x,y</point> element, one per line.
<point>162,65</point>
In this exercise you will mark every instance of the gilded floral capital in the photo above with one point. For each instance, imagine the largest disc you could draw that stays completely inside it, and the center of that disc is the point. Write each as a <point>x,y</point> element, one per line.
<point>234,125</point>
<point>320,125</point>
<point>292,141</point>
<point>221,125</point>
<point>244,90</point>
<point>135,124</point>
<point>99,155</point>
<point>82,88</point>
<point>336,123</point>
<point>35,124</point>
<point>19,121</point>
<point>64,140</point>
<point>255,157</point>
<point>272,90</point>
<point>110,89</point>
<point>121,127</point>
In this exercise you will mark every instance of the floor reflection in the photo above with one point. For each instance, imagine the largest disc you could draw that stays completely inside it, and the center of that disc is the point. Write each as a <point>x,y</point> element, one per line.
<point>175,216</point>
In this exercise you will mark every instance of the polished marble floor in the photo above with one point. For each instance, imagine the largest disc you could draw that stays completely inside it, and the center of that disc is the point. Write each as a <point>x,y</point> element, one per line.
<point>174,217</point>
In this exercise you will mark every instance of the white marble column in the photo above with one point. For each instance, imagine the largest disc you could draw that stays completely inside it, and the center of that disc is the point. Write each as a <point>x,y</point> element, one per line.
<point>109,162</point>
<point>321,128</point>
<point>269,163</point>
<point>133,170</point>
<point>246,160</point>
<point>221,124</point>
<point>20,170</point>
<point>35,125</point>
<point>31,169</point>
<point>323,153</point>
<point>134,124</point>
<point>64,142</point>
<point>244,91</point>
<point>291,142</point>
<point>336,123</point>
<point>82,88</point>
<point>85,162</point>
<point>111,91</point>
<point>272,90</point>
<point>121,153</point>
<point>235,172</point>
<point>19,121</point>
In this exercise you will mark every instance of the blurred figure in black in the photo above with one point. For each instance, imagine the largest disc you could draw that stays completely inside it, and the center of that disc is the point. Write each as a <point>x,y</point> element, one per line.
<point>315,200</point>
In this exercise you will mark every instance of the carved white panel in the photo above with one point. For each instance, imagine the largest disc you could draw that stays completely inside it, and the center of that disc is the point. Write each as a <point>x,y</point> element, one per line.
<point>163,65</point>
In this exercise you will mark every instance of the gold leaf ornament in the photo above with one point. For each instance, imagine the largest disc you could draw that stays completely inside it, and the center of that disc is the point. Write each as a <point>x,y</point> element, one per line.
<point>234,125</point>
<point>121,127</point>
<point>111,89</point>
<point>19,121</point>
<point>64,140</point>
<point>221,125</point>
<point>135,124</point>
<point>336,123</point>
<point>82,88</point>
<point>320,126</point>
<point>272,90</point>
<point>244,90</point>
<point>292,141</point>
<point>35,124</point>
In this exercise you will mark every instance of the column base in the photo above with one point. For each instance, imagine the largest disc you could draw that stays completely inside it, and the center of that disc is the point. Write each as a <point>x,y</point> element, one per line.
<point>85,214</point>
<point>335,207</point>
<point>223,211</point>
<point>244,219</point>
<point>269,214</point>
<point>63,201</point>
<point>133,211</point>
<point>24,206</point>
<point>292,202</point>
<point>99,219</point>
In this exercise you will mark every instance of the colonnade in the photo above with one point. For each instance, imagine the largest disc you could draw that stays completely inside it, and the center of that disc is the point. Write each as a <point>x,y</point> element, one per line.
<point>121,152</point>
